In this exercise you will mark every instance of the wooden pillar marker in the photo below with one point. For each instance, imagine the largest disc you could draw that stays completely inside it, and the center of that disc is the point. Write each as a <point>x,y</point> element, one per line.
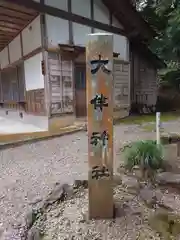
<point>158,123</point>
<point>99,77</point>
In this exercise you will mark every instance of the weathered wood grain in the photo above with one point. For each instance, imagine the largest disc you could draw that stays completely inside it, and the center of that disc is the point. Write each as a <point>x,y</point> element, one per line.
<point>100,190</point>
<point>35,103</point>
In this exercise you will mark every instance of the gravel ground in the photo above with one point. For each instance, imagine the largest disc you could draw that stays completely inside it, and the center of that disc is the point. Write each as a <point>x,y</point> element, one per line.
<point>29,172</point>
<point>69,220</point>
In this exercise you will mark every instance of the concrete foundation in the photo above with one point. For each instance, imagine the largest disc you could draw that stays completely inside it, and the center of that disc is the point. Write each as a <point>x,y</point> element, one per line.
<point>12,122</point>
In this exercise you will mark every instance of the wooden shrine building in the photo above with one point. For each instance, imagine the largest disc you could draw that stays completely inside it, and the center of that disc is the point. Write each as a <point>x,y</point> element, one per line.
<point>42,56</point>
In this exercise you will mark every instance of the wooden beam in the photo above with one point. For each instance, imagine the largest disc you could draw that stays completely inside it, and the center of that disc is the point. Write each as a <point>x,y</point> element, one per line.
<point>99,59</point>
<point>4,38</point>
<point>11,22</point>
<point>4,34</point>
<point>42,8</point>
<point>92,13</point>
<point>1,90</point>
<point>25,57</point>
<point>44,40</point>
<point>43,31</point>
<point>8,30</point>
<point>110,18</point>
<point>43,26</point>
<point>21,43</point>
<point>2,15</point>
<point>71,40</point>
<point>4,3</point>
<point>4,8</point>
<point>12,13</point>
<point>3,42</point>
<point>10,26</point>
<point>8,54</point>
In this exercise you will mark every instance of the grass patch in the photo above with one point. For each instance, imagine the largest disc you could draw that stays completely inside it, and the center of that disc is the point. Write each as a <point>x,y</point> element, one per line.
<point>165,117</point>
<point>149,127</point>
<point>54,129</point>
<point>145,154</point>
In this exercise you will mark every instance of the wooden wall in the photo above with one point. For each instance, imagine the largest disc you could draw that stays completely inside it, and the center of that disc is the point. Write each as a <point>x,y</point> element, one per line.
<point>80,89</point>
<point>61,84</point>
<point>144,82</point>
<point>68,88</point>
<point>59,32</point>
<point>121,88</point>
<point>35,101</point>
<point>21,73</point>
<point>12,87</point>
<point>25,43</point>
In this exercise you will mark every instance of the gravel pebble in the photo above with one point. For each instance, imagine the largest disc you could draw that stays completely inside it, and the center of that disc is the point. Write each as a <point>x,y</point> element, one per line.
<point>29,172</point>
<point>73,223</point>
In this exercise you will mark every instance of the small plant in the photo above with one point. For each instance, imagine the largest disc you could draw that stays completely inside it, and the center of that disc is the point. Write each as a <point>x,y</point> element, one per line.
<point>147,155</point>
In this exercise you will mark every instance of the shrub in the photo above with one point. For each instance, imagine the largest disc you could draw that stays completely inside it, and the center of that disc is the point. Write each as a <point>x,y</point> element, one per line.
<point>145,154</point>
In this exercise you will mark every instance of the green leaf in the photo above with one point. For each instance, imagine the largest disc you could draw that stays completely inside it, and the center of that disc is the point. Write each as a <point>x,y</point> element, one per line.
<point>146,154</point>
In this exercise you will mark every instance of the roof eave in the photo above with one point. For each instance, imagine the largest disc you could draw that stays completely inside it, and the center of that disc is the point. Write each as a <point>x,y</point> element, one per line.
<point>130,18</point>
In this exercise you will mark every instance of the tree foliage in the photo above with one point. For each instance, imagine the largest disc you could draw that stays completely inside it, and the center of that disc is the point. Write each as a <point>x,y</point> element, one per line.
<point>164,18</point>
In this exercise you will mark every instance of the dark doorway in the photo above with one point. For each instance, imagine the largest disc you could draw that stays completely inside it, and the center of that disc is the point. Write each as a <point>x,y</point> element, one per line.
<point>80,90</point>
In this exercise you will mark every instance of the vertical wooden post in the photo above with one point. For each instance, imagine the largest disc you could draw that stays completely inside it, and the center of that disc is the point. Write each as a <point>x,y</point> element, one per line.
<point>178,149</point>
<point>158,122</point>
<point>99,70</point>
